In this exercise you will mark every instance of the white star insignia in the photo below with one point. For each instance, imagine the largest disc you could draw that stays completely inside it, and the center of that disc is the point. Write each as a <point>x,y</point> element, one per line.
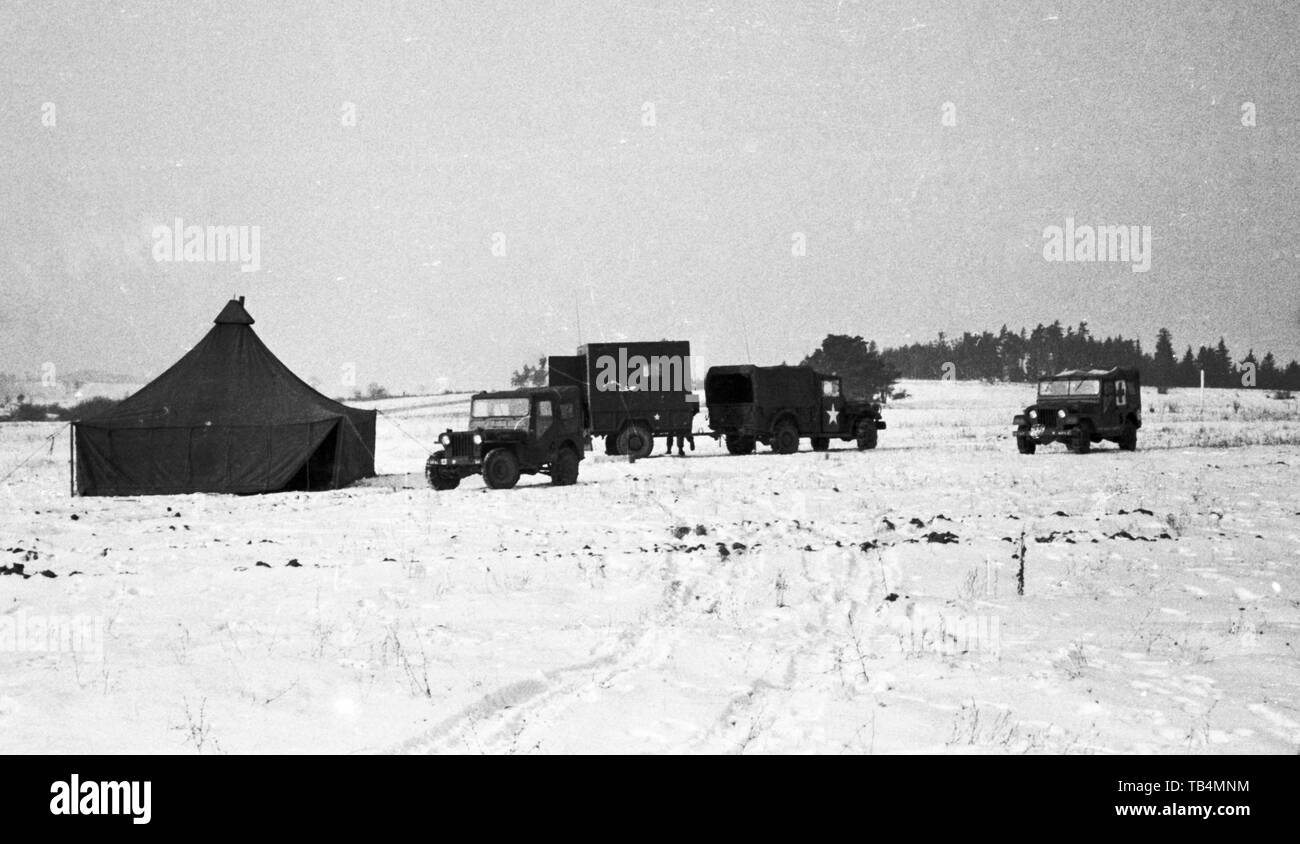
<point>832,417</point>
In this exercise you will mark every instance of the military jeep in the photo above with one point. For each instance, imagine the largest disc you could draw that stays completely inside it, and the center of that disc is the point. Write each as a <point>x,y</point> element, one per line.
<point>527,431</point>
<point>779,405</point>
<point>1080,407</point>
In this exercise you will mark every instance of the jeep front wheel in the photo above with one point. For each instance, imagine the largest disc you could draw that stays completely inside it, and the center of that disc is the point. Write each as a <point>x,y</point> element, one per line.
<point>867,434</point>
<point>739,444</point>
<point>564,471</point>
<point>785,438</point>
<point>1026,445</point>
<point>438,477</point>
<point>501,469</point>
<point>636,442</point>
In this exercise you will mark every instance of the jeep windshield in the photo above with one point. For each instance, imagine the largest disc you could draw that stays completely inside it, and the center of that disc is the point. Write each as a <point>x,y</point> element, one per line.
<point>1069,388</point>
<point>510,413</point>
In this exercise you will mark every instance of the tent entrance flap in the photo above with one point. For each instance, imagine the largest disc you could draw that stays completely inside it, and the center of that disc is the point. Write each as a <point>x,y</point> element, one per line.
<point>320,469</point>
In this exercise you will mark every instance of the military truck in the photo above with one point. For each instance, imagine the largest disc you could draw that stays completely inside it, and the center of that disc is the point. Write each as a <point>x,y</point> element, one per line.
<point>1080,407</point>
<point>631,392</point>
<point>779,405</point>
<point>513,432</point>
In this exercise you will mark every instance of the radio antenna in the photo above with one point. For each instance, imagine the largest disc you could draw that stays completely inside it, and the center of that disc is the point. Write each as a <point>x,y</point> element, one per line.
<point>577,314</point>
<point>744,332</point>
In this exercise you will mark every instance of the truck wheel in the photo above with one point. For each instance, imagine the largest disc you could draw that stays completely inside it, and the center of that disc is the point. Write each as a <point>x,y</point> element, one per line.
<point>635,441</point>
<point>821,443</point>
<point>1128,440</point>
<point>501,469</point>
<point>1080,441</point>
<point>1026,445</point>
<point>564,471</point>
<point>739,444</point>
<point>785,438</point>
<point>439,478</point>
<point>867,434</point>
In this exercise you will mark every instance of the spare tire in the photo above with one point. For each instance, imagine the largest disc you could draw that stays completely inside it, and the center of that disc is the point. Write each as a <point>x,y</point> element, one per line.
<point>867,434</point>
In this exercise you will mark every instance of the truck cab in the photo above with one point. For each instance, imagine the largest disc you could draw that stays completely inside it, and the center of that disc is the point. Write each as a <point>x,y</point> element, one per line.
<point>779,405</point>
<point>1079,407</point>
<point>511,433</point>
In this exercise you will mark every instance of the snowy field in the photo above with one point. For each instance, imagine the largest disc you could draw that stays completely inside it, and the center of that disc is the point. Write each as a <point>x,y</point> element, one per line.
<point>844,602</point>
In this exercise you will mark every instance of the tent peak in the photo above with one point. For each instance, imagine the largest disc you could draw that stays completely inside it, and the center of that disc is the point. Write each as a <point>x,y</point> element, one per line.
<point>234,314</point>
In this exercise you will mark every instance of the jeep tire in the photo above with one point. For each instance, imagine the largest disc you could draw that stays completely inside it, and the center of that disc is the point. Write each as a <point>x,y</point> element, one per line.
<point>1128,439</point>
<point>439,478</point>
<point>501,469</point>
<point>1025,444</point>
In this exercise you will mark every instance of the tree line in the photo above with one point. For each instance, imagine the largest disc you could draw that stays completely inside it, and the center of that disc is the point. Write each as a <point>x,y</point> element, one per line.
<point>869,372</point>
<point>1023,356</point>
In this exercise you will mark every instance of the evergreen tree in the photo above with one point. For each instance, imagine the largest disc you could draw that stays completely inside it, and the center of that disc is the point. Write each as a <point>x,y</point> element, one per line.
<point>1188,376</point>
<point>1268,374</point>
<point>862,369</point>
<point>1163,364</point>
<point>1290,379</point>
<point>1222,375</point>
<point>530,376</point>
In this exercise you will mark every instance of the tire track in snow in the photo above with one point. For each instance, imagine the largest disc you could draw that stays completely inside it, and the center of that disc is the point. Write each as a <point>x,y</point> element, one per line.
<point>494,723</point>
<point>816,665</point>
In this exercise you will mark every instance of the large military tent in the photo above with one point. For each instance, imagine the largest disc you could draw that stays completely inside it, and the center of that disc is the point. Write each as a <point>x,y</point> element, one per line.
<point>226,417</point>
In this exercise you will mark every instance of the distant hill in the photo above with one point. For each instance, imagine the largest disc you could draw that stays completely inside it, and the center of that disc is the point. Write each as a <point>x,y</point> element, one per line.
<point>66,389</point>
<point>98,376</point>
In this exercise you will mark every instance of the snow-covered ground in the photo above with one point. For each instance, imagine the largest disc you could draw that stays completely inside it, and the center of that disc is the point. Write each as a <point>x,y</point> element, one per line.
<point>840,602</point>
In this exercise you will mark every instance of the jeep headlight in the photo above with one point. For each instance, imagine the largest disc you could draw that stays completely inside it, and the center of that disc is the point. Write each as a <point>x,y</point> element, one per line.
<point>478,439</point>
<point>1061,414</point>
<point>1033,414</point>
<point>445,439</point>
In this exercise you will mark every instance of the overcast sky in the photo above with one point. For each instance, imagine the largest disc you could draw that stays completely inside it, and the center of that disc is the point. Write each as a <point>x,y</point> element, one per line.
<point>525,126</point>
